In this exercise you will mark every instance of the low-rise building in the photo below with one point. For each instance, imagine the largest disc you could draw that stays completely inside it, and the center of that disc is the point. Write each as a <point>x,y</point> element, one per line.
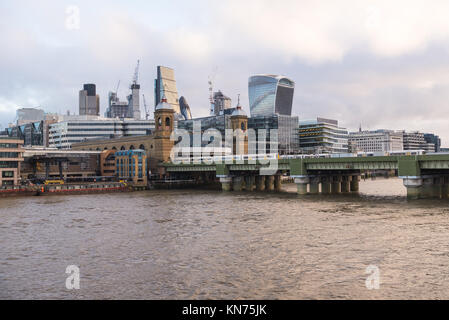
<point>74,129</point>
<point>414,140</point>
<point>322,136</point>
<point>375,141</point>
<point>131,165</point>
<point>11,157</point>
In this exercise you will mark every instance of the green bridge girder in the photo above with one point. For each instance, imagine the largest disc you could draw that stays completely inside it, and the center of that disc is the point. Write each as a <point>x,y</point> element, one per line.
<point>406,165</point>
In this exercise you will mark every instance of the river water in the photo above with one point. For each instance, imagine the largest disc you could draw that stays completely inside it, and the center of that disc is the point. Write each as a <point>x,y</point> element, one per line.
<point>197,244</point>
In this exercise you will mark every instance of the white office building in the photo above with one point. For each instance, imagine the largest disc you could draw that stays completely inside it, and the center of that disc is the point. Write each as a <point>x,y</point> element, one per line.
<point>376,141</point>
<point>73,129</point>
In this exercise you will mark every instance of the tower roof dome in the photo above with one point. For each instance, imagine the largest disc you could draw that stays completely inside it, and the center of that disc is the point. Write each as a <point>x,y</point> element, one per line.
<point>164,105</point>
<point>238,112</point>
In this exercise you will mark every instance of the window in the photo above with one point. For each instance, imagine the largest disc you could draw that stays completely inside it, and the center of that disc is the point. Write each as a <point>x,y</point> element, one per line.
<point>8,174</point>
<point>167,122</point>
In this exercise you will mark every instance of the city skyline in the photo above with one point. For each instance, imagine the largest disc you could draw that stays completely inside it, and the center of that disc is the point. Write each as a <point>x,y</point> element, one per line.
<point>355,66</point>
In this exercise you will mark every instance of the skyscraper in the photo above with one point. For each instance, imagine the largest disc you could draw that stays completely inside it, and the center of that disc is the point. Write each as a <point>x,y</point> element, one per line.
<point>89,101</point>
<point>270,94</point>
<point>134,102</point>
<point>221,103</point>
<point>165,83</point>
<point>185,108</point>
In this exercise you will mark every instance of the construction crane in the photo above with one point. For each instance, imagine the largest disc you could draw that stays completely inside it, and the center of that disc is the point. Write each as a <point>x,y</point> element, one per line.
<point>136,73</point>
<point>118,85</point>
<point>147,115</point>
<point>211,90</point>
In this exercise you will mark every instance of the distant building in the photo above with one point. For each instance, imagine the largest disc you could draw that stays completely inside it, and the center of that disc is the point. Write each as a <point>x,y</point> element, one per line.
<point>322,136</point>
<point>27,115</point>
<point>185,108</point>
<point>434,139</point>
<point>116,108</point>
<point>376,141</point>
<point>286,126</point>
<point>74,129</point>
<point>165,83</point>
<point>32,133</point>
<point>221,103</point>
<point>415,141</point>
<point>270,94</point>
<point>89,101</point>
<point>11,157</point>
<point>134,102</point>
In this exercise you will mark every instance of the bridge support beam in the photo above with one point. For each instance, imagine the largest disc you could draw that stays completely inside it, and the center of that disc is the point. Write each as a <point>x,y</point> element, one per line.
<point>355,183</point>
<point>237,183</point>
<point>277,183</point>
<point>269,183</point>
<point>314,187</point>
<point>249,183</point>
<point>431,187</point>
<point>336,185</point>
<point>345,184</point>
<point>260,183</point>
<point>445,187</point>
<point>226,183</point>
<point>414,186</point>
<point>325,185</point>
<point>302,183</point>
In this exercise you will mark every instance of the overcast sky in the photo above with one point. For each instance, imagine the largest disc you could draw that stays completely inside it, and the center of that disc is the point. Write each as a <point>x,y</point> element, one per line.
<point>384,64</point>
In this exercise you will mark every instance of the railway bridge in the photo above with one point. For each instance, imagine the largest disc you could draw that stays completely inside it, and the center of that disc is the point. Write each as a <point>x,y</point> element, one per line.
<point>424,176</point>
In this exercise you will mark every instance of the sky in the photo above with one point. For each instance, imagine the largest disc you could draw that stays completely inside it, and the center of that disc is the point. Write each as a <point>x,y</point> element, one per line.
<point>378,64</point>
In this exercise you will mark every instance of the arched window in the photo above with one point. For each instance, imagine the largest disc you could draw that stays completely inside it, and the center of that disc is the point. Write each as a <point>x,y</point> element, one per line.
<point>131,147</point>
<point>98,149</point>
<point>151,147</point>
<point>142,147</point>
<point>114,148</point>
<point>159,122</point>
<point>243,126</point>
<point>122,148</point>
<point>167,122</point>
<point>105,148</point>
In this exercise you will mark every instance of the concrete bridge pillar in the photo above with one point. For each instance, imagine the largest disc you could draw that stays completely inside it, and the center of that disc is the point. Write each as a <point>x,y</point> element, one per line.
<point>302,183</point>
<point>237,183</point>
<point>325,185</point>
<point>345,184</point>
<point>226,183</point>
<point>277,183</point>
<point>314,185</point>
<point>269,183</point>
<point>249,183</point>
<point>355,183</point>
<point>414,186</point>
<point>260,183</point>
<point>431,187</point>
<point>445,187</point>
<point>336,185</point>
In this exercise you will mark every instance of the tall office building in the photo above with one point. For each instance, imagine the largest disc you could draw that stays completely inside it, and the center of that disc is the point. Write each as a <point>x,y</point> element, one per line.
<point>116,108</point>
<point>270,94</point>
<point>165,83</point>
<point>89,101</point>
<point>134,102</point>
<point>185,108</point>
<point>221,103</point>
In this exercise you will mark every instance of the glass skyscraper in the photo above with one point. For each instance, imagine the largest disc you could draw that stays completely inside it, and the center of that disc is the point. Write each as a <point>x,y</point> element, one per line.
<point>270,94</point>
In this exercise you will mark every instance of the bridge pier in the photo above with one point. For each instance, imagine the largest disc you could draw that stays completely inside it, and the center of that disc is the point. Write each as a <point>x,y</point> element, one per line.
<point>445,187</point>
<point>260,183</point>
<point>345,184</point>
<point>414,186</point>
<point>302,183</point>
<point>269,183</point>
<point>325,185</point>
<point>249,183</point>
<point>431,187</point>
<point>336,185</point>
<point>314,186</point>
<point>226,183</point>
<point>237,183</point>
<point>355,183</point>
<point>277,183</point>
